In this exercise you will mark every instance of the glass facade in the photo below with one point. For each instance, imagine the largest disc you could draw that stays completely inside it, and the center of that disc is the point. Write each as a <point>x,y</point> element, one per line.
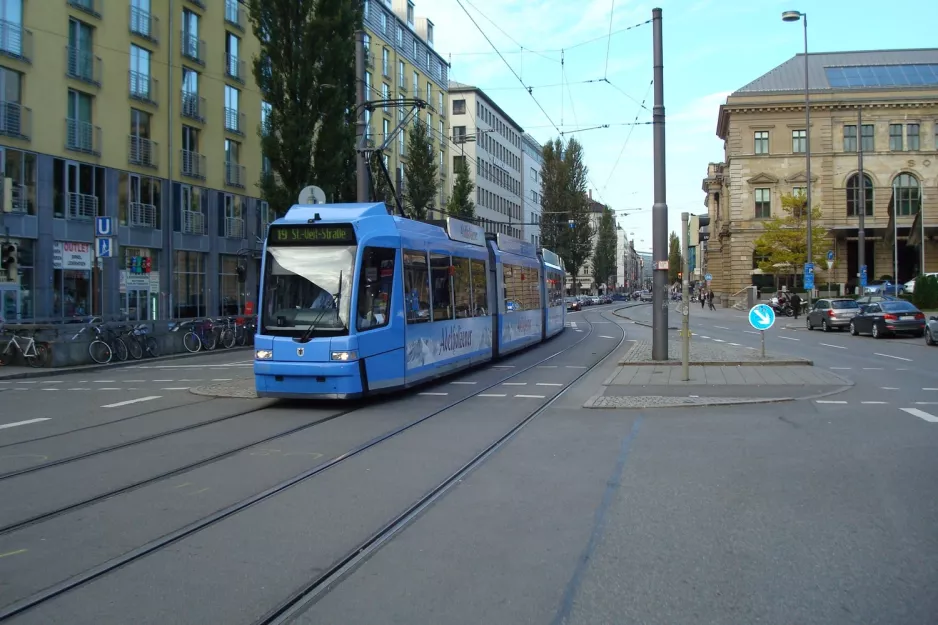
<point>189,284</point>
<point>230,295</point>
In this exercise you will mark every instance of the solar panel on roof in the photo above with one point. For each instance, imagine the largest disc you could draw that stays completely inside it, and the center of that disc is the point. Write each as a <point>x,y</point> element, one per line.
<point>882,76</point>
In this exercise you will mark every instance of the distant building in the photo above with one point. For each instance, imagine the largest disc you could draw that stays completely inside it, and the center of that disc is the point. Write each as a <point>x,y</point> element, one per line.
<point>587,284</point>
<point>531,160</point>
<point>490,142</point>
<point>763,129</point>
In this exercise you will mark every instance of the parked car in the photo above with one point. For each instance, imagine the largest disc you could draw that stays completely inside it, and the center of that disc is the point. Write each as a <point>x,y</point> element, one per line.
<point>888,317</point>
<point>910,285</point>
<point>883,287</point>
<point>872,299</point>
<point>646,296</point>
<point>573,304</point>
<point>931,331</point>
<point>832,313</point>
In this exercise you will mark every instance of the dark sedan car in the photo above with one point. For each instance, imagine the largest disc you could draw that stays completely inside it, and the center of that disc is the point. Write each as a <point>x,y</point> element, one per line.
<point>888,317</point>
<point>573,304</point>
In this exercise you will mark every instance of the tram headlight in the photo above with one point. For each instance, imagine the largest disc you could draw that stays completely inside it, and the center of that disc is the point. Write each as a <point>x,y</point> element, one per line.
<point>345,356</point>
<point>263,354</point>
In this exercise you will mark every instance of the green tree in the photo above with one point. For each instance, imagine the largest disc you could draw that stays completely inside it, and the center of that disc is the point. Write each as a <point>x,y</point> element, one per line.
<point>783,244</point>
<point>604,256</point>
<point>420,172</point>
<point>555,230</point>
<point>382,189</point>
<point>675,259</point>
<point>580,241</point>
<point>460,203</point>
<point>305,70</point>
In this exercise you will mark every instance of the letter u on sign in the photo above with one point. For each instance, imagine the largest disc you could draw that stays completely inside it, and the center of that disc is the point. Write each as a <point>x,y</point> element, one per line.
<point>102,226</point>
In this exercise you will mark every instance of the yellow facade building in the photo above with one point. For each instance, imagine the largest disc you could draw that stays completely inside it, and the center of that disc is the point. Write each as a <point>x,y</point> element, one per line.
<point>763,129</point>
<point>143,111</point>
<point>402,64</point>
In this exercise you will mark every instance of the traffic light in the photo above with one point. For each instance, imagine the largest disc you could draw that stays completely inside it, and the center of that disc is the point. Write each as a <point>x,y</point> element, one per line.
<point>698,230</point>
<point>8,261</point>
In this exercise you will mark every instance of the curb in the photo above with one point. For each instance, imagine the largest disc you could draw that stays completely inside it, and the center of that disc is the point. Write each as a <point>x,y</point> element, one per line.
<point>655,401</point>
<point>718,363</point>
<point>47,373</point>
<point>641,323</point>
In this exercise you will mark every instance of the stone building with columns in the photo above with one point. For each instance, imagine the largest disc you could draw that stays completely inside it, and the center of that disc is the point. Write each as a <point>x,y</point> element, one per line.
<point>763,129</point>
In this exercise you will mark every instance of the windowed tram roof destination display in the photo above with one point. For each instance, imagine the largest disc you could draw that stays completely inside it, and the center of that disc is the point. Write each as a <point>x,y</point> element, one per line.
<point>860,76</point>
<point>312,234</point>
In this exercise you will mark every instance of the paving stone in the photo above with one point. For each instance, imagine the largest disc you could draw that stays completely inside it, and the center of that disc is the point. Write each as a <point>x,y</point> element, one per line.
<point>242,389</point>
<point>659,401</point>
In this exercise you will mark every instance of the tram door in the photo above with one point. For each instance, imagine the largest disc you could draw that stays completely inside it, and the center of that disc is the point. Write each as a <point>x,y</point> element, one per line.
<point>9,302</point>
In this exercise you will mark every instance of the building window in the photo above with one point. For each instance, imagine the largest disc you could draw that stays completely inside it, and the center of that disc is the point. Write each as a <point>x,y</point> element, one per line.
<point>384,22</point>
<point>912,138</point>
<point>20,168</point>
<point>232,56</point>
<point>230,297</point>
<point>366,9</point>
<point>232,109</point>
<point>895,137</point>
<point>139,200</point>
<point>850,138</point>
<point>188,285</point>
<point>385,62</point>
<point>430,33</point>
<point>869,142</point>
<point>400,37</point>
<point>763,203</point>
<point>386,95</point>
<point>410,13</point>
<point>417,83</point>
<point>853,199</point>
<point>906,194</point>
<point>78,190</point>
<point>387,129</point>
<point>797,192</point>
<point>798,141</point>
<point>762,142</point>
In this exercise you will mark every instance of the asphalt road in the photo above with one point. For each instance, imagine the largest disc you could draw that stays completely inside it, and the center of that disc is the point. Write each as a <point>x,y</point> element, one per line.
<point>806,512</point>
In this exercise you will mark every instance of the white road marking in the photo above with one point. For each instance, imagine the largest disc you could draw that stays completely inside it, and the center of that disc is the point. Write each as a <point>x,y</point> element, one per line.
<point>227,380</point>
<point>890,388</point>
<point>514,383</point>
<point>605,337</point>
<point>834,346</point>
<point>109,389</point>
<point>491,395</point>
<point>575,367</point>
<point>79,389</point>
<point>579,330</point>
<point>549,384</point>
<point>503,366</point>
<point>721,327</point>
<point>25,382</point>
<point>51,382</point>
<point>51,389</point>
<point>132,401</point>
<point>704,337</point>
<point>134,381</point>
<point>18,423</point>
<point>719,341</point>
<point>547,366</point>
<point>841,368</point>
<point>872,368</point>
<point>930,389</point>
<point>173,388</point>
<point>750,332</point>
<point>464,383</point>
<point>896,357</point>
<point>926,403</point>
<point>736,344</point>
<point>872,402</point>
<point>921,414</point>
<point>788,338</point>
<point>164,380</point>
<point>531,396</point>
<point>822,401</point>
<point>435,394</point>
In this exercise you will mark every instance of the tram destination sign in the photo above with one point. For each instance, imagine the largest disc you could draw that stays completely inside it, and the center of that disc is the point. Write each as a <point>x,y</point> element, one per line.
<point>311,234</point>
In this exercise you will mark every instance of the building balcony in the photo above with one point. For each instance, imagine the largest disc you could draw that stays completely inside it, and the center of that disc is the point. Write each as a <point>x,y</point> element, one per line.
<point>142,87</point>
<point>234,175</point>
<point>192,106</point>
<point>234,67</point>
<point>192,164</point>
<point>234,14</point>
<point>234,121</point>
<point>142,215</point>
<point>144,24</point>
<point>91,7</point>
<point>81,136</point>
<point>198,3</point>
<point>192,48</point>
<point>234,228</point>
<point>81,206</point>
<point>16,120</point>
<point>142,152</point>
<point>15,41</point>
<point>83,65</point>
<point>193,222</point>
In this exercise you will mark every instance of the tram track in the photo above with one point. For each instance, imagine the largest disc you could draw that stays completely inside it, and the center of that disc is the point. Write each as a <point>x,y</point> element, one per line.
<point>207,521</point>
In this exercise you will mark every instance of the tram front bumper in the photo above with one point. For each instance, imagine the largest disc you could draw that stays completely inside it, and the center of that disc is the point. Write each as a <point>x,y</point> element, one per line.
<point>321,380</point>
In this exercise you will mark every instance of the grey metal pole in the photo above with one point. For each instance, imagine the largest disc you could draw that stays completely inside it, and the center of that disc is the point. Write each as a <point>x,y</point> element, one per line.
<point>685,300</point>
<point>659,344</point>
<point>860,201</point>
<point>807,144</point>
<point>362,170</point>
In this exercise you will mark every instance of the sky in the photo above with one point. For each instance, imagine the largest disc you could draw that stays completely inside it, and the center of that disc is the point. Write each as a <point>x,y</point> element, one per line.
<point>711,48</point>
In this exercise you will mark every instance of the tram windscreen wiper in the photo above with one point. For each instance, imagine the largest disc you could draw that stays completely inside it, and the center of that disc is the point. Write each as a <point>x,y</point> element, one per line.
<point>335,302</point>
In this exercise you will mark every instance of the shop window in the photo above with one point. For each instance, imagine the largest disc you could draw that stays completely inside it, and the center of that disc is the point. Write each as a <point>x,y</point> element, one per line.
<point>188,284</point>
<point>20,168</point>
<point>375,288</point>
<point>229,289</point>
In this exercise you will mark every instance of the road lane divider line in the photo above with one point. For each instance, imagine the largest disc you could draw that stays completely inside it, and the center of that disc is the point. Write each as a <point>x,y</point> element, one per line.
<point>530,396</point>
<point>132,401</point>
<point>19,423</point>
<point>827,401</point>
<point>872,402</point>
<point>788,338</point>
<point>834,346</point>
<point>921,414</point>
<point>896,357</point>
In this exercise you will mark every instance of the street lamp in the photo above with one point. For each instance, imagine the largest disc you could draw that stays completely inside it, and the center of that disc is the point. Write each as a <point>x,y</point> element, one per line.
<point>794,16</point>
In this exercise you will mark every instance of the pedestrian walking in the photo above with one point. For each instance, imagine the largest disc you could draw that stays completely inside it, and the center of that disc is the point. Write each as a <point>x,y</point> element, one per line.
<point>710,300</point>
<point>795,303</point>
<point>703,299</point>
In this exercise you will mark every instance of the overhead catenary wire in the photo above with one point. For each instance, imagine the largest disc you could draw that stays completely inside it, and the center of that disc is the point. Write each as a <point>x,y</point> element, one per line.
<point>629,136</point>
<point>612,10</point>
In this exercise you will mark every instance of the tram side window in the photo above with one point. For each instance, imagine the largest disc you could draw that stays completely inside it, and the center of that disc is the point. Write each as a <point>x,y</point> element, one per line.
<point>515,299</point>
<point>416,287</point>
<point>479,288</point>
<point>532,277</point>
<point>442,284</point>
<point>374,288</point>
<point>462,288</point>
<point>555,287</point>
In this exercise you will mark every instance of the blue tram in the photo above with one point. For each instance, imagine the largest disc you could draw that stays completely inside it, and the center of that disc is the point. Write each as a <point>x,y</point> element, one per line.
<point>354,301</point>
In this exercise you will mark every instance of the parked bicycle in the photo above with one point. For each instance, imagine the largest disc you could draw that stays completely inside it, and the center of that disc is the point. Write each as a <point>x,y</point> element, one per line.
<point>35,354</point>
<point>200,336</point>
<point>106,345</point>
<point>140,343</point>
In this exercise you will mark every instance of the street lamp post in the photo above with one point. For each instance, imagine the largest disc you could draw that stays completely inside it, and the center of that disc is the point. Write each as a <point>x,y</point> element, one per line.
<point>794,16</point>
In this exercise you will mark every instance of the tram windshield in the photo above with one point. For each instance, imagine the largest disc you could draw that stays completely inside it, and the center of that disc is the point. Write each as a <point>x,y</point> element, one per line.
<point>308,288</point>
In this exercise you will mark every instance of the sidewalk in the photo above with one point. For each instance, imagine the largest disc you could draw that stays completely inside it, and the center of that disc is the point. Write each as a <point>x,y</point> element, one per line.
<point>718,375</point>
<point>22,373</point>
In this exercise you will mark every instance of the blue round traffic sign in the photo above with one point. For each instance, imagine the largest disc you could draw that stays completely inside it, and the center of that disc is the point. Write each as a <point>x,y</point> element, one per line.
<point>761,317</point>
<point>708,277</point>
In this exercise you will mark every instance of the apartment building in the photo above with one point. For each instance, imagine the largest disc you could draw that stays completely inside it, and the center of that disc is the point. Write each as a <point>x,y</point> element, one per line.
<point>157,131</point>
<point>532,157</point>
<point>584,283</point>
<point>400,64</point>
<point>762,124</point>
<point>490,142</point>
